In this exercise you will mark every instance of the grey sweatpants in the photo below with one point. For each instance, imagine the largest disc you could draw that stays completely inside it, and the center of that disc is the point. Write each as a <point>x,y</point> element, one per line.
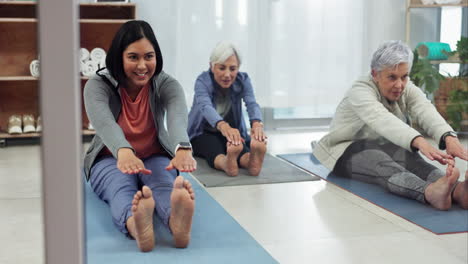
<point>400,171</point>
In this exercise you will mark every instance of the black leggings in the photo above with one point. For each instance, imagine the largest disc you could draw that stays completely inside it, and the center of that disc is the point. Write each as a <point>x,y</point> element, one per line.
<point>210,144</point>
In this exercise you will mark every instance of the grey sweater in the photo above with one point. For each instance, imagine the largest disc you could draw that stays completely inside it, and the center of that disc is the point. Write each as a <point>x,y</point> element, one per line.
<point>103,106</point>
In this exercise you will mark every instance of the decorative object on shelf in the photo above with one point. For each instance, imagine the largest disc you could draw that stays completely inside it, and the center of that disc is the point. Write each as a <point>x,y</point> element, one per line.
<point>14,125</point>
<point>445,2</point>
<point>84,54</point>
<point>98,55</point>
<point>427,2</point>
<point>34,68</point>
<point>433,50</point>
<point>424,74</point>
<point>89,68</point>
<point>39,124</point>
<point>28,124</point>
<point>92,61</point>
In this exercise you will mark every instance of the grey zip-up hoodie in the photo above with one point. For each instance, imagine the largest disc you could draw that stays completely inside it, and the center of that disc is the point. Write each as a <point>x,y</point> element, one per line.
<point>103,106</point>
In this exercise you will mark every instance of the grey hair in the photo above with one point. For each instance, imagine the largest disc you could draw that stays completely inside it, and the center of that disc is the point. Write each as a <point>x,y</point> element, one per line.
<point>222,52</point>
<point>390,54</point>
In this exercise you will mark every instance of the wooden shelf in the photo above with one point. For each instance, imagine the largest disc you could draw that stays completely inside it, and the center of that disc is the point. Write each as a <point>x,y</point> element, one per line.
<point>27,78</point>
<point>107,11</point>
<point>85,132</point>
<point>18,9</point>
<point>445,61</point>
<point>419,4</point>
<point>18,78</point>
<point>18,20</point>
<point>19,91</point>
<point>95,21</point>
<point>104,21</point>
<point>26,135</point>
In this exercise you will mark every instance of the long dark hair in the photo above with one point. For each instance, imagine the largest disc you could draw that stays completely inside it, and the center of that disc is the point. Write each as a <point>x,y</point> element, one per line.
<point>128,33</point>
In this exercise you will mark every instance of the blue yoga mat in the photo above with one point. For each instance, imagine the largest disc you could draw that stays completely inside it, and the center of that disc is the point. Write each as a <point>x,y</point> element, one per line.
<point>216,237</point>
<point>440,222</point>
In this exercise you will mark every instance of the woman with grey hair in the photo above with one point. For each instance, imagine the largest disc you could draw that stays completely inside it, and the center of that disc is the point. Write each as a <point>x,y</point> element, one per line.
<point>216,126</point>
<point>371,139</point>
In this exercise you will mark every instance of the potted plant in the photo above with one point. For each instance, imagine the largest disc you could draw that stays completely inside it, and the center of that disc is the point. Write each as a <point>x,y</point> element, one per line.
<point>457,109</point>
<point>425,75</point>
<point>454,91</point>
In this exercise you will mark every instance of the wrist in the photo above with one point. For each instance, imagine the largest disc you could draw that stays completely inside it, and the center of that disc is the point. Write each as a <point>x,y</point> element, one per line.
<point>221,124</point>
<point>124,151</point>
<point>183,146</point>
<point>450,136</point>
<point>256,124</point>
<point>184,151</point>
<point>449,139</point>
<point>416,143</point>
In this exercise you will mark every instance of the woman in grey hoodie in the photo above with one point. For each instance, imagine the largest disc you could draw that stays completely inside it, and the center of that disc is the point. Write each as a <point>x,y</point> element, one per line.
<point>133,161</point>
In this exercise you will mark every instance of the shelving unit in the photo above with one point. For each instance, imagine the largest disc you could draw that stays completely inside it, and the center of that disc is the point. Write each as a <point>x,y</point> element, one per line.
<point>441,97</point>
<point>444,61</point>
<point>410,4</point>
<point>19,91</point>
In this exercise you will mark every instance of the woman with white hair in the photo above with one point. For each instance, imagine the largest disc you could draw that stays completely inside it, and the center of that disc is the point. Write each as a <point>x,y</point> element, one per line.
<point>216,126</point>
<point>371,138</point>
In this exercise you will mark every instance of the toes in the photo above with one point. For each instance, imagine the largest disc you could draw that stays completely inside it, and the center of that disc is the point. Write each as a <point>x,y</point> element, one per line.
<point>187,184</point>
<point>137,196</point>
<point>146,192</point>
<point>179,182</point>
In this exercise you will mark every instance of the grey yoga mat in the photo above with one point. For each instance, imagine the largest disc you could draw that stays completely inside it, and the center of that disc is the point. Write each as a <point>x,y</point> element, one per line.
<point>274,171</point>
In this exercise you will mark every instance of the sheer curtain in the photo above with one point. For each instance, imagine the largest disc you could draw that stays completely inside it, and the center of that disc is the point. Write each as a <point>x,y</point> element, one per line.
<point>316,52</point>
<point>299,53</point>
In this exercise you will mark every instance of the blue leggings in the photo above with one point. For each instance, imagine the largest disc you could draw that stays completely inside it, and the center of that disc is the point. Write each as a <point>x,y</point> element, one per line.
<point>117,189</point>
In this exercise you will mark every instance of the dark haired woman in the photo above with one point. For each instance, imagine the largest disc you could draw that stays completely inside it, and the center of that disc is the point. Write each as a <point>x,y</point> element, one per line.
<point>132,161</point>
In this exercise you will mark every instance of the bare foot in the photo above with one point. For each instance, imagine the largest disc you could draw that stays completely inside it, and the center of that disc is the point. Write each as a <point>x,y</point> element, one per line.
<point>140,224</point>
<point>232,153</point>
<point>182,207</point>
<point>438,193</point>
<point>257,154</point>
<point>460,194</point>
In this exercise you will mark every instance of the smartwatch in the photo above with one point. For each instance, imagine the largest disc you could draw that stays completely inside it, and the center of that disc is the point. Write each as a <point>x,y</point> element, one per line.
<point>442,144</point>
<point>183,145</point>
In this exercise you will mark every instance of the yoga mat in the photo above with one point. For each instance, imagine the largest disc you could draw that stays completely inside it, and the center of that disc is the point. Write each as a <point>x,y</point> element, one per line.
<point>216,237</point>
<point>274,171</point>
<point>439,222</point>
